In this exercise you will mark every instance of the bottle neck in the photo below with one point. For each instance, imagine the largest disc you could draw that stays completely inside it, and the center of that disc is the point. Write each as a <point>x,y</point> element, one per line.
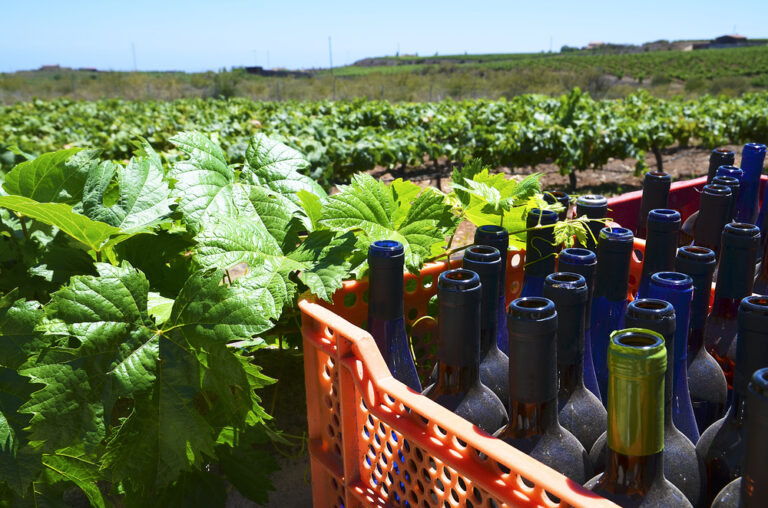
<point>528,419</point>
<point>612,276</point>
<point>695,343</point>
<point>456,379</point>
<point>570,377</point>
<point>736,412</point>
<point>488,332</point>
<point>755,478</point>
<point>660,248</point>
<point>633,474</point>
<point>735,277</point>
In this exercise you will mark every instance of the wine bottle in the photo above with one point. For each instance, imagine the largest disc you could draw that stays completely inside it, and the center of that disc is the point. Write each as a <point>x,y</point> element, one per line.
<point>660,245</point>
<point>614,252</point>
<point>761,281</point>
<point>561,197</point>
<point>634,474</point>
<point>735,279</point>
<point>751,489</point>
<point>719,157</point>
<point>730,170</point>
<point>733,184</point>
<point>497,236</point>
<point>485,261</point>
<point>386,317</point>
<point>540,250</point>
<point>579,411</point>
<point>458,387</point>
<point>752,157</point>
<point>583,262</point>
<point>712,217</point>
<point>706,381</point>
<point>594,207</point>
<point>534,427</point>
<point>681,465</point>
<point>721,446</point>
<point>655,195</point>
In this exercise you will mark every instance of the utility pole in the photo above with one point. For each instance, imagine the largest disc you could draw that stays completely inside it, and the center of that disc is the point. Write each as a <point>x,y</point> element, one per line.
<point>133,50</point>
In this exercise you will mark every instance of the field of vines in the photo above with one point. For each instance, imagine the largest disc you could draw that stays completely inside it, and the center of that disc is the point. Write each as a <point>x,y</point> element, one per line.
<point>340,138</point>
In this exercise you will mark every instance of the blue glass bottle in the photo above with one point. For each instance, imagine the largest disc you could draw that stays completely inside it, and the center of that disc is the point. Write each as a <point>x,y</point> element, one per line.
<point>497,236</point>
<point>732,183</point>
<point>752,157</point>
<point>593,206</point>
<point>719,157</point>
<point>655,195</point>
<point>540,251</point>
<point>609,304</point>
<point>660,245</point>
<point>583,262</point>
<point>386,321</point>
<point>561,197</point>
<point>730,170</point>
<point>677,289</point>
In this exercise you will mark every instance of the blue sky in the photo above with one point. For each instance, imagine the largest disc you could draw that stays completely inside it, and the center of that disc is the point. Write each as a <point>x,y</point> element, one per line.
<point>196,35</point>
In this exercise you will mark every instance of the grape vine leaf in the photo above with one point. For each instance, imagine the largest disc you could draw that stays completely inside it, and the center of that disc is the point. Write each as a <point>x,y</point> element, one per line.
<point>18,338</point>
<point>243,447</point>
<point>19,463</point>
<point>312,205</point>
<point>52,177</point>
<point>78,469</point>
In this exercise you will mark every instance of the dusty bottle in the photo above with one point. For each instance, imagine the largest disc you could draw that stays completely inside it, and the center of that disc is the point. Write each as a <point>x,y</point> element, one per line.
<point>634,473</point>
<point>579,410</point>
<point>735,280</point>
<point>540,250</point>
<point>561,197</point>
<point>681,465</point>
<point>705,227</point>
<point>595,207</point>
<point>533,426</point>
<point>660,246</point>
<point>733,184</point>
<point>497,236</point>
<point>655,195</point>
<point>485,261</point>
<point>752,157</point>
<point>386,321</point>
<point>751,489</point>
<point>458,387</point>
<point>719,157</point>
<point>583,262</point>
<point>721,446</point>
<point>706,381</point>
<point>609,303</point>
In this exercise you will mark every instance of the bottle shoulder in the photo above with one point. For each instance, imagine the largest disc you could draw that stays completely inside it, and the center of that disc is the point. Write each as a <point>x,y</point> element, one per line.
<point>730,496</point>
<point>582,414</point>
<point>478,405</point>
<point>661,494</point>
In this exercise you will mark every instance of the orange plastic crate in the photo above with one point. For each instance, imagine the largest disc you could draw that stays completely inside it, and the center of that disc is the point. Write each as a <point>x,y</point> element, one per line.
<point>373,442</point>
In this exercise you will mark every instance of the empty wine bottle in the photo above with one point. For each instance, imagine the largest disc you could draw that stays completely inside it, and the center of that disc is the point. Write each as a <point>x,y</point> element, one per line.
<point>713,215</point>
<point>540,250</point>
<point>735,279</point>
<point>579,410</point>
<point>594,207</point>
<point>561,197</point>
<point>634,474</point>
<point>761,281</point>
<point>681,465</point>
<point>583,262</point>
<point>386,321</point>
<point>458,387</point>
<point>497,236</point>
<point>660,245</point>
<point>533,426</point>
<point>706,381</point>
<point>721,446</point>
<point>733,184</point>
<point>752,157</point>
<point>730,170</point>
<point>751,489</point>
<point>719,157</point>
<point>485,261</point>
<point>655,195</point>
<point>609,303</point>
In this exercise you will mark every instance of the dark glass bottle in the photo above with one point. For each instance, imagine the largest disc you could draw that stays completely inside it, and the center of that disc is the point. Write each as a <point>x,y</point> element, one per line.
<point>706,381</point>
<point>761,281</point>
<point>660,245</point>
<point>752,157</point>
<point>540,250</point>
<point>714,213</point>
<point>609,303</point>
<point>751,490</point>
<point>719,157</point>
<point>386,322</point>
<point>579,410</point>
<point>561,197</point>
<point>735,279</point>
<point>730,170</point>
<point>721,446</point>
<point>677,289</point>
<point>458,387</point>
<point>497,236</point>
<point>534,427</point>
<point>634,474</point>
<point>583,262</point>
<point>733,184</point>
<point>681,465</point>
<point>594,207</point>
<point>655,195</point>
<point>485,261</point>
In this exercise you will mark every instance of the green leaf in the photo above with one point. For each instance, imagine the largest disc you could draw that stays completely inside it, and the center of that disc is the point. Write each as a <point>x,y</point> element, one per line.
<point>79,470</point>
<point>461,175</point>
<point>324,256</point>
<point>404,193</point>
<point>312,206</point>
<point>247,447</point>
<point>52,177</point>
<point>18,338</point>
<point>159,307</point>
<point>193,488</point>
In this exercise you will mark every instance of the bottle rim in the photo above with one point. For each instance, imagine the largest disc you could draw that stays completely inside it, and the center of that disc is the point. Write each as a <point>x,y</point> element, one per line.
<point>637,341</point>
<point>565,280</point>
<point>753,147</point>
<point>592,201</point>
<point>652,308</point>
<point>546,216</point>
<point>658,175</point>
<point>531,308</point>
<point>754,304</point>
<point>726,180</point>
<point>577,256</point>
<point>459,280</point>
<point>697,253</point>
<point>385,248</point>
<point>741,229</point>
<point>672,280</point>
<point>759,382</point>
<point>482,254</point>
<point>617,234</point>
<point>723,150</point>
<point>663,215</point>
<point>716,189</point>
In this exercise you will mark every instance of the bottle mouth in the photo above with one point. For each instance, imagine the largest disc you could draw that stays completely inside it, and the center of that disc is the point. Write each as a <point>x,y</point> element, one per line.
<point>663,215</point>
<point>565,280</point>
<point>385,249</point>
<point>755,304</point>
<point>658,175</point>
<point>672,280</point>
<point>543,217</point>
<point>760,382</point>
<point>722,150</point>
<point>637,338</point>
<point>592,201</point>
<point>696,253</point>
<point>489,229</point>
<point>617,234</point>
<point>727,180</point>
<point>532,308</point>
<point>755,148</point>
<point>495,236</point>
<point>577,256</point>
<point>730,170</point>
<point>458,279</point>
<point>482,254</point>
<point>716,189</point>
<point>741,229</point>
<point>556,196</point>
<point>650,308</point>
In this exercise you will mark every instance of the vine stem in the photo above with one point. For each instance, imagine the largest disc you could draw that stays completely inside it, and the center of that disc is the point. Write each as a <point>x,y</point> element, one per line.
<point>23,222</point>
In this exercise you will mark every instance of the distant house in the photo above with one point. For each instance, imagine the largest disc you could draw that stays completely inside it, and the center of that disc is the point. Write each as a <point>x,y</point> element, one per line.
<point>730,39</point>
<point>727,41</point>
<point>261,71</point>
<point>594,45</point>
<point>49,68</point>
